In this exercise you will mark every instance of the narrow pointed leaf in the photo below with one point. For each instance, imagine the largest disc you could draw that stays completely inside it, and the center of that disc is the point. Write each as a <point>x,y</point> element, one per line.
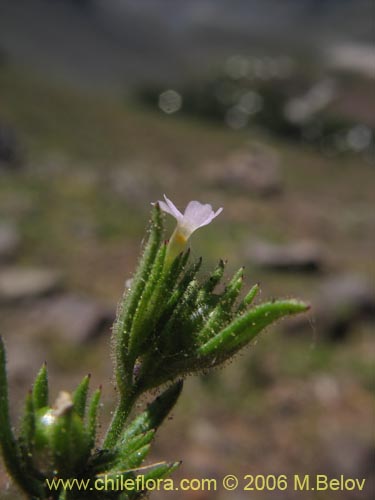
<point>9,447</point>
<point>185,258</point>
<point>157,471</point>
<point>162,470</point>
<point>131,299</point>
<point>154,414</point>
<point>63,495</point>
<point>249,298</point>
<point>146,307</point>
<point>136,442</point>
<point>179,318</point>
<point>7,439</point>
<point>92,416</point>
<point>186,279</point>
<point>80,396</point>
<point>40,389</point>
<point>70,443</point>
<point>210,284</point>
<point>246,327</point>
<point>119,458</point>
<point>136,458</point>
<point>103,460</point>
<point>222,312</point>
<point>28,425</point>
<point>125,462</point>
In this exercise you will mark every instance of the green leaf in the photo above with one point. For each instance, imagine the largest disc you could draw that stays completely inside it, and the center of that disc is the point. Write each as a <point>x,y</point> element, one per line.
<point>131,299</point>
<point>102,460</point>
<point>161,470</point>
<point>138,441</point>
<point>242,330</point>
<point>182,286</point>
<point>184,260</point>
<point>70,444</point>
<point>178,265</point>
<point>92,416</point>
<point>179,321</point>
<point>249,298</point>
<point>137,457</point>
<point>167,285</point>
<point>214,279</point>
<point>9,447</point>
<point>63,495</point>
<point>7,440</point>
<point>125,454</point>
<point>80,396</point>
<point>40,389</point>
<point>222,312</point>
<point>154,414</point>
<point>141,326</point>
<point>127,462</point>
<point>158,471</point>
<point>27,432</point>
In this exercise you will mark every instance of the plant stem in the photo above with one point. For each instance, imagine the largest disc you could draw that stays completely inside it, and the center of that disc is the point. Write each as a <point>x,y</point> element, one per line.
<point>118,421</point>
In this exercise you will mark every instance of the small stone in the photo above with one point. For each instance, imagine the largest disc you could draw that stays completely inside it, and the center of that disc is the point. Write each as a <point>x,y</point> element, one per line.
<point>349,455</point>
<point>326,389</point>
<point>342,301</point>
<point>302,255</point>
<point>24,358</point>
<point>9,242</point>
<point>254,172</point>
<point>75,318</point>
<point>339,304</point>
<point>351,291</point>
<point>18,283</point>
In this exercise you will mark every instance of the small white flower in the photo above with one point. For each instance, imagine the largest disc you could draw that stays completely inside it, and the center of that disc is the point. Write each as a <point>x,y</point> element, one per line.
<point>196,215</point>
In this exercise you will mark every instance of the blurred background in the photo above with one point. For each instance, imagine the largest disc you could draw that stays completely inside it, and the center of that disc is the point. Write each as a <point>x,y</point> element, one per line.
<point>265,108</point>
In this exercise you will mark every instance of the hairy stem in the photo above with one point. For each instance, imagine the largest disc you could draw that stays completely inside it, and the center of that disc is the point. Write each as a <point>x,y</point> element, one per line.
<point>119,419</point>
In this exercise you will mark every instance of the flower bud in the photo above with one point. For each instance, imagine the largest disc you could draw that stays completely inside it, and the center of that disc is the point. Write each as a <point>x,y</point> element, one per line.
<point>62,443</point>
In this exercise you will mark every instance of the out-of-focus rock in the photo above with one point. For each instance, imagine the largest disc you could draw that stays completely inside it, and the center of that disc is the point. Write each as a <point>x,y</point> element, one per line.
<point>338,305</point>
<point>302,255</point>
<point>9,241</point>
<point>355,57</point>
<point>350,456</point>
<point>342,301</point>
<point>350,292</point>
<point>326,389</point>
<point>25,357</point>
<point>17,283</point>
<point>254,172</point>
<point>75,318</point>
<point>10,150</point>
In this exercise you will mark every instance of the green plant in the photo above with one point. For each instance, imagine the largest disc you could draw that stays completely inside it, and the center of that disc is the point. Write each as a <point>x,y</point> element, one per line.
<point>169,324</point>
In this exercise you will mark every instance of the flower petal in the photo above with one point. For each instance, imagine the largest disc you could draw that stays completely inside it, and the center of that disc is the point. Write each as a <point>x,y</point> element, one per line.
<point>212,217</point>
<point>170,208</point>
<point>197,214</point>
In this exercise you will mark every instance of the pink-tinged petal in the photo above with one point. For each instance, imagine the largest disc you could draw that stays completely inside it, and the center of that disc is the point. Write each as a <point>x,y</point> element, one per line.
<point>170,208</point>
<point>197,215</point>
<point>211,217</point>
